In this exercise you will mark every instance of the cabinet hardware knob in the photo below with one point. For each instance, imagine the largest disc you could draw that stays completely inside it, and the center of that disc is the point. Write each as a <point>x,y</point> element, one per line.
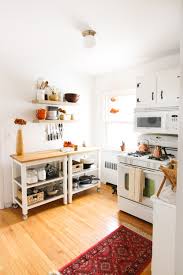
<point>138,85</point>
<point>178,76</point>
<point>161,94</point>
<point>138,100</point>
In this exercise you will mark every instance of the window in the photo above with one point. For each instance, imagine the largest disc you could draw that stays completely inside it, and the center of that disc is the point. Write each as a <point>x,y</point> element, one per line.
<point>119,120</point>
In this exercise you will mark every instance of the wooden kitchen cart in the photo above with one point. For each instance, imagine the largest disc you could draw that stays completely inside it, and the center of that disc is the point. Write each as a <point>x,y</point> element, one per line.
<point>20,187</point>
<point>83,151</point>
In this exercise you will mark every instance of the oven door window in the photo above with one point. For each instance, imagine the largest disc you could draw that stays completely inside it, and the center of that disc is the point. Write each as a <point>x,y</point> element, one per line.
<point>127,181</point>
<point>149,188</point>
<point>149,122</point>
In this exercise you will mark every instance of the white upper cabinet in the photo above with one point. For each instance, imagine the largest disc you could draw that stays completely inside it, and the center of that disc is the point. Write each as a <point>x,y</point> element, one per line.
<point>168,88</point>
<point>146,91</point>
<point>158,90</point>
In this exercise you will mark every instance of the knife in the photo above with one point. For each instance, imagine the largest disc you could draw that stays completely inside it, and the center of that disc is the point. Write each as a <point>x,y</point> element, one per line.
<point>54,137</point>
<point>57,131</point>
<point>48,132</point>
<point>51,132</point>
<point>61,131</point>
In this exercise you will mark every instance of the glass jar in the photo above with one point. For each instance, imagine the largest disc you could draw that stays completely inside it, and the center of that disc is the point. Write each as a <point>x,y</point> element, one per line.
<point>41,174</point>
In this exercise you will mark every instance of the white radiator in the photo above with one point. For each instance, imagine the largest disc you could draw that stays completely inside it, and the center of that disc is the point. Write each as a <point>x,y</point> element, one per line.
<point>109,166</point>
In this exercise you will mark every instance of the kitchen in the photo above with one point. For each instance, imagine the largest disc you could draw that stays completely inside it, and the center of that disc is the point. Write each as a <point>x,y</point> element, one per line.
<point>120,109</point>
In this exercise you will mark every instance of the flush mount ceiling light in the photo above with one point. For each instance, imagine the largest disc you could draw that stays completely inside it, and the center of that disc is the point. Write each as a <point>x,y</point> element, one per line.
<point>89,38</point>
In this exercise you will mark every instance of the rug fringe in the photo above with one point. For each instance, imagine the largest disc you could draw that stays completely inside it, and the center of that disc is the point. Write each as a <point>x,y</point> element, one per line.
<point>54,273</point>
<point>137,230</point>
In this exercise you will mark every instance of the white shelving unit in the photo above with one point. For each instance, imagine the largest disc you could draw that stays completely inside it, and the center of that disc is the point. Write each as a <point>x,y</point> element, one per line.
<point>20,164</point>
<point>19,171</point>
<point>71,175</point>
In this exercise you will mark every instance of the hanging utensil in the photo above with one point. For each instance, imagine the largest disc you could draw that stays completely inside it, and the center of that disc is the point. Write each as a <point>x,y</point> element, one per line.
<point>51,132</point>
<point>48,132</point>
<point>61,131</point>
<point>57,131</point>
<point>54,132</point>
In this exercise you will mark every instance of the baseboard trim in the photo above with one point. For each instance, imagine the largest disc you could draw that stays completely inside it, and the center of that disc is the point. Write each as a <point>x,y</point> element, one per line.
<point>8,205</point>
<point>1,205</point>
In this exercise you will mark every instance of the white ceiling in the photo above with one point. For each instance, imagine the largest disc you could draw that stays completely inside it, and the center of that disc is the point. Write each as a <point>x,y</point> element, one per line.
<point>48,32</point>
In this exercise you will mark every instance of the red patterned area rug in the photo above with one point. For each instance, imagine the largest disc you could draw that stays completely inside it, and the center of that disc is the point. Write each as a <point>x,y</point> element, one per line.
<point>123,252</point>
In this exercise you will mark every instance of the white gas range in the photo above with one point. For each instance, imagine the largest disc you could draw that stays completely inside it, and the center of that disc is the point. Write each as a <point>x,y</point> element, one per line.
<point>129,162</point>
<point>145,161</point>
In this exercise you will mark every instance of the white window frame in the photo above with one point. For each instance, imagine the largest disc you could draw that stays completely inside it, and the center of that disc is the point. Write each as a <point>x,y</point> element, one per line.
<point>105,120</point>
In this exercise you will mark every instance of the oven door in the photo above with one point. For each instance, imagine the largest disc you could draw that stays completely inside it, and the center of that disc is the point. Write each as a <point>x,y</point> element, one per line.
<point>153,180</point>
<point>153,122</point>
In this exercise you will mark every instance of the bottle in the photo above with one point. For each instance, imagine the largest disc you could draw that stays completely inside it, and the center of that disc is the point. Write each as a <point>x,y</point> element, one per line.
<point>46,93</point>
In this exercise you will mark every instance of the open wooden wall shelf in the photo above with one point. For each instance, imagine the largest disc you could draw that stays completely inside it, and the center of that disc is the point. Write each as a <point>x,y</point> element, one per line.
<point>54,103</point>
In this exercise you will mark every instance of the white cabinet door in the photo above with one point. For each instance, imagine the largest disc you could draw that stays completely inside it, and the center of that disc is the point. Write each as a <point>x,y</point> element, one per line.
<point>164,222</point>
<point>146,91</point>
<point>168,88</point>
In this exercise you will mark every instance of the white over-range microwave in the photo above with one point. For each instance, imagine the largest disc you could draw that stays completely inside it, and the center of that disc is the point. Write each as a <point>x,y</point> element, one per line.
<point>155,121</point>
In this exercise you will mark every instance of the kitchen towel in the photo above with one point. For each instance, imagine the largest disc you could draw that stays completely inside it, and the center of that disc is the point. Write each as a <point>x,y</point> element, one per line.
<point>131,193</point>
<point>139,184</point>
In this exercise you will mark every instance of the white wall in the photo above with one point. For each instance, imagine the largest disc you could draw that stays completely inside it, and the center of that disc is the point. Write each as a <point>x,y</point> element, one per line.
<point>179,202</point>
<point>124,82</point>
<point>126,79</point>
<point>15,101</point>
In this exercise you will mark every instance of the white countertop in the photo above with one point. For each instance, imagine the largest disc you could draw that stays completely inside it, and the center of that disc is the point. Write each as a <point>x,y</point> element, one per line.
<point>155,199</point>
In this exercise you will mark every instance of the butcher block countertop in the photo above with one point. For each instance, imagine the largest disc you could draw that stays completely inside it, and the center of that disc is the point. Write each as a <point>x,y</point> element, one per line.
<point>34,156</point>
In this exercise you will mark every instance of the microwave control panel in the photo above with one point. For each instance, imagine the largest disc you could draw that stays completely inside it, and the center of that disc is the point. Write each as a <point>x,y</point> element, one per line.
<point>172,120</point>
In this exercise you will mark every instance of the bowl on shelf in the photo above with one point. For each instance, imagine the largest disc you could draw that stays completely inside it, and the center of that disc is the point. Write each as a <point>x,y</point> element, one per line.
<point>87,163</point>
<point>70,97</point>
<point>52,193</point>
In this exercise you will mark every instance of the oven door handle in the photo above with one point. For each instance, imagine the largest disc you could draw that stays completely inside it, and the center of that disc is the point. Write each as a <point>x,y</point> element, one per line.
<point>156,172</point>
<point>145,170</point>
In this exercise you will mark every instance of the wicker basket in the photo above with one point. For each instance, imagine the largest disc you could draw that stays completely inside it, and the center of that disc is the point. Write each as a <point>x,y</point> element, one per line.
<point>77,166</point>
<point>31,199</point>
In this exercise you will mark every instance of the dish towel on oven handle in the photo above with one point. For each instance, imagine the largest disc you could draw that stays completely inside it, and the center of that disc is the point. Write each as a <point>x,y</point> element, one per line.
<point>139,184</point>
<point>136,184</point>
<point>131,193</point>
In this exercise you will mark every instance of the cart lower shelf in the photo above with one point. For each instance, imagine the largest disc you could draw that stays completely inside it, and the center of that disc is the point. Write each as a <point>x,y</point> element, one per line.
<point>47,200</point>
<point>89,186</point>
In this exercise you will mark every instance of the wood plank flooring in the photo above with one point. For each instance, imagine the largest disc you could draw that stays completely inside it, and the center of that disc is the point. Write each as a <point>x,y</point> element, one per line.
<point>54,234</point>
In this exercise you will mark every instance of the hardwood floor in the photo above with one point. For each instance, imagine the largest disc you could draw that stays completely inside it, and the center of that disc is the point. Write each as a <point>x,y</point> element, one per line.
<point>54,234</point>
